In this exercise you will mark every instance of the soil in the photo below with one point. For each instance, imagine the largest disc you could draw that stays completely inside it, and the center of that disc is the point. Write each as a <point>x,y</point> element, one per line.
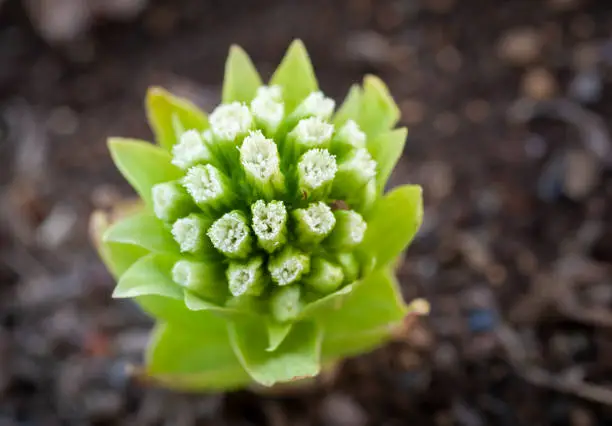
<point>508,105</point>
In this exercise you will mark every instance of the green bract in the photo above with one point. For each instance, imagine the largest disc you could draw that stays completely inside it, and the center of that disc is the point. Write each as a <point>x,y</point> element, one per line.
<point>265,244</point>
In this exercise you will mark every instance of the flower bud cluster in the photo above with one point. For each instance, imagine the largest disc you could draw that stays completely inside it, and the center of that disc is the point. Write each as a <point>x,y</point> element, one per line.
<point>254,213</point>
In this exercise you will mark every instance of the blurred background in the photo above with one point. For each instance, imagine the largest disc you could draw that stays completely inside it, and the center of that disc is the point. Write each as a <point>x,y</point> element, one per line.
<point>508,104</point>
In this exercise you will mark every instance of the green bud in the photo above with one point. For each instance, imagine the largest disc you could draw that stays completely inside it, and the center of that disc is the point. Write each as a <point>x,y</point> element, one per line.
<point>309,133</point>
<point>171,201</point>
<point>288,266</point>
<point>354,173</point>
<point>230,122</point>
<point>348,139</point>
<point>190,234</point>
<point>364,200</point>
<point>350,266</point>
<point>209,188</point>
<point>285,303</point>
<point>316,170</point>
<point>269,224</point>
<point>313,223</point>
<point>229,125</point>
<point>190,150</point>
<point>315,105</point>
<point>203,278</point>
<point>261,163</point>
<point>325,277</point>
<point>348,232</point>
<point>231,236</point>
<point>268,109</point>
<point>246,278</point>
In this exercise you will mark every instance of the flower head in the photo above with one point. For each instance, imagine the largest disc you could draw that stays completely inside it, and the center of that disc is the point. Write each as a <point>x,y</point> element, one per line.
<point>265,235</point>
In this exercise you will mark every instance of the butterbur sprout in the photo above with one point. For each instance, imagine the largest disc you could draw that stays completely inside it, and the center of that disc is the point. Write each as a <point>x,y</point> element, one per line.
<point>265,234</point>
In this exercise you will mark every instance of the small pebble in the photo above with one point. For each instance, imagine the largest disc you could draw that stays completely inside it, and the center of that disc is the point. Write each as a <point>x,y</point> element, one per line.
<point>482,320</point>
<point>102,404</point>
<point>581,417</point>
<point>477,110</point>
<point>600,294</point>
<point>131,342</point>
<point>57,227</point>
<point>475,251</point>
<point>585,56</point>
<point>415,380</point>
<point>535,146</point>
<point>341,410</point>
<point>438,178</point>
<point>582,26</point>
<point>413,111</point>
<point>446,356</point>
<point>368,46</point>
<point>550,183</point>
<point>426,267</point>
<point>465,415</point>
<point>489,202</point>
<point>520,46</point>
<point>582,173</point>
<point>539,84</point>
<point>586,87</point>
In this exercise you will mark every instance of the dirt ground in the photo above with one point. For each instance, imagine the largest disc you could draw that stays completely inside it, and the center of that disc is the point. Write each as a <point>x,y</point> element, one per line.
<point>508,104</point>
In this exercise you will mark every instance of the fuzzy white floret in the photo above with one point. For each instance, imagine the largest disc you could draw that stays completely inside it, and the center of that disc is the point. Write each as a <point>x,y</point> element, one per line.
<point>318,105</point>
<point>203,183</point>
<point>288,271</point>
<point>317,167</point>
<point>229,121</point>
<point>268,219</point>
<point>313,131</point>
<point>228,232</point>
<point>358,228</point>
<point>182,273</point>
<point>363,161</point>
<point>188,233</point>
<point>319,218</point>
<point>190,150</point>
<point>352,133</point>
<point>259,156</point>
<point>241,277</point>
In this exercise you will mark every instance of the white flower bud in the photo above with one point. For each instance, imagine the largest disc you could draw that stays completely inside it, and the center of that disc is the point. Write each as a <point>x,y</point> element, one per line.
<point>230,121</point>
<point>190,150</point>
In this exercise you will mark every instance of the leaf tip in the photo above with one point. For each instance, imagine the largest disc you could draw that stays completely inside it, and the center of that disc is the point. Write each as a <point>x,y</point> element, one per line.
<point>155,93</point>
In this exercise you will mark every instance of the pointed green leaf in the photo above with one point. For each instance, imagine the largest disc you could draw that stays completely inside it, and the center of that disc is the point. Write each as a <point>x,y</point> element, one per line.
<point>195,360</point>
<point>119,257</point>
<point>393,223</point>
<point>378,112</point>
<point>387,149</point>
<point>241,79</point>
<point>116,257</point>
<point>143,230</point>
<point>366,317</point>
<point>295,75</point>
<point>296,358</point>
<point>170,310</point>
<point>150,274</point>
<point>196,303</point>
<point>277,332</point>
<point>350,108</point>
<point>143,165</point>
<point>165,112</point>
<point>318,309</point>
